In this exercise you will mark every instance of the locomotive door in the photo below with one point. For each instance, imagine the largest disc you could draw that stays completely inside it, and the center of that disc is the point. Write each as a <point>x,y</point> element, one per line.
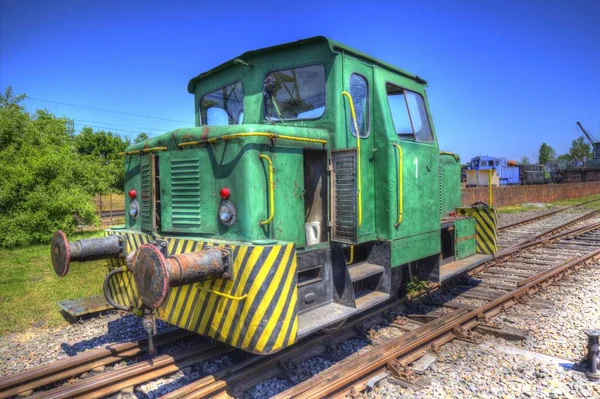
<point>409,127</point>
<point>357,82</point>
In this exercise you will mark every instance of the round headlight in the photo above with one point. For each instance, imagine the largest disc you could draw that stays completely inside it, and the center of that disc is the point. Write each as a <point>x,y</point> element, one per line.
<point>227,213</point>
<point>134,209</point>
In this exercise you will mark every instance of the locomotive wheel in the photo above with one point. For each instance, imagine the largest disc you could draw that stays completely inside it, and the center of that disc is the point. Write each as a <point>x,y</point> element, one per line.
<point>333,328</point>
<point>479,204</point>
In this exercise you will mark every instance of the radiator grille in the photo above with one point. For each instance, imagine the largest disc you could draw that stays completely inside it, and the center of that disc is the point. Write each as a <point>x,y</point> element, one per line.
<point>147,197</point>
<point>185,193</point>
<point>344,196</point>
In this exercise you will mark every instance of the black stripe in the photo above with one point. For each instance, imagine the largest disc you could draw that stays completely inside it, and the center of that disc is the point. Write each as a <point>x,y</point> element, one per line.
<point>266,251</point>
<point>175,246</point>
<point>130,281</point>
<point>275,333</point>
<point>489,223</point>
<point>236,281</point>
<point>290,327</point>
<point>120,288</point>
<point>194,304</point>
<point>484,232</point>
<point>214,309</point>
<point>185,301</point>
<point>484,244</point>
<point>124,280</point>
<point>271,306</point>
<point>258,297</point>
<point>204,305</point>
<point>112,289</point>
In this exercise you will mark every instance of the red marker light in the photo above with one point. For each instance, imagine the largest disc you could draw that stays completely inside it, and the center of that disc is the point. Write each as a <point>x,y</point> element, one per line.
<point>132,194</point>
<point>224,193</point>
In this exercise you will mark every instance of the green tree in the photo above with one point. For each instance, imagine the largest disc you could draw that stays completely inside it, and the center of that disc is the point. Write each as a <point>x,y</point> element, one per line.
<point>105,148</point>
<point>580,149</point>
<point>140,137</point>
<point>546,154</point>
<point>524,160</point>
<point>45,184</point>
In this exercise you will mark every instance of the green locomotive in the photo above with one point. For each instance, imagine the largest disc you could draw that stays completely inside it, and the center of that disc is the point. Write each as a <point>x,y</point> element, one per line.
<point>311,184</point>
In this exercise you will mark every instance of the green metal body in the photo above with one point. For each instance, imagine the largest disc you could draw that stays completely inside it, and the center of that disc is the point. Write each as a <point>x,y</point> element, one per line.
<point>188,203</point>
<point>464,236</point>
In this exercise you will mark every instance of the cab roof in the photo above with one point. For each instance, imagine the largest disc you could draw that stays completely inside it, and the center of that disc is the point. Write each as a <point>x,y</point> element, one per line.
<point>334,46</point>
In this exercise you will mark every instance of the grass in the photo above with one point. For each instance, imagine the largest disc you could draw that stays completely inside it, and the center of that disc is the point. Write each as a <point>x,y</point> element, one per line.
<point>561,203</point>
<point>30,290</point>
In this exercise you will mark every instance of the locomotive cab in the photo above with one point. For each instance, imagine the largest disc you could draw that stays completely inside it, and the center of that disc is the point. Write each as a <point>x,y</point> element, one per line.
<point>309,187</point>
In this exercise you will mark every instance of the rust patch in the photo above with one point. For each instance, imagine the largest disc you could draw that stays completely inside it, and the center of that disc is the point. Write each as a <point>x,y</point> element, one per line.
<point>205,132</point>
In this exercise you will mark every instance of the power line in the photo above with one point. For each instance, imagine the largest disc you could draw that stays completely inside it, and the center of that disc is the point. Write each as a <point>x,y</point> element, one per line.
<point>116,124</point>
<point>107,110</point>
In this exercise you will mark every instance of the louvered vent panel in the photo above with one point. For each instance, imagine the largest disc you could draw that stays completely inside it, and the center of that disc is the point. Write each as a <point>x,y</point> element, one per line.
<point>344,196</point>
<point>185,193</point>
<point>146,179</point>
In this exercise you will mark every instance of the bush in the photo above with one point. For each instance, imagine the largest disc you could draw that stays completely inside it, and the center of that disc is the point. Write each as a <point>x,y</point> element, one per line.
<point>45,183</point>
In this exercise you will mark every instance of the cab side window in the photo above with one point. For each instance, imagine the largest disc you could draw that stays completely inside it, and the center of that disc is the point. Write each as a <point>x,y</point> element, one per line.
<point>359,90</point>
<point>409,114</point>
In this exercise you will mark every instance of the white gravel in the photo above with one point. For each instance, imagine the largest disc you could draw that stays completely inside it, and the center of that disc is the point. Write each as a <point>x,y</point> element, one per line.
<point>464,370</point>
<point>558,331</point>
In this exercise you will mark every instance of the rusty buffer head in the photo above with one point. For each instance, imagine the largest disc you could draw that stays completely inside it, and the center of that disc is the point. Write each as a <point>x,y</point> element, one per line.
<point>64,252</point>
<point>59,251</point>
<point>154,274</point>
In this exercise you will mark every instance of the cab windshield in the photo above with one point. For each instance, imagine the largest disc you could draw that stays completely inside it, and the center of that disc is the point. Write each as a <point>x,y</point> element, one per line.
<point>224,106</point>
<point>295,94</point>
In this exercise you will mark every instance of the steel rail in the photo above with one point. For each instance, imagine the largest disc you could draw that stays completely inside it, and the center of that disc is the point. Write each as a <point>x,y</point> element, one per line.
<point>533,219</point>
<point>66,368</point>
<point>114,381</point>
<point>562,226</point>
<point>267,366</point>
<point>342,376</point>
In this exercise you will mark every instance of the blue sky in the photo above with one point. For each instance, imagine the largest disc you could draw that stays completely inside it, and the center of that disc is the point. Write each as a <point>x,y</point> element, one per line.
<point>504,75</point>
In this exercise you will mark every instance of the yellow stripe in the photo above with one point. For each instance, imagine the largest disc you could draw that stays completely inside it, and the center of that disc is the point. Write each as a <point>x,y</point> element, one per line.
<point>243,272</point>
<point>266,334</point>
<point>211,304</point>
<point>256,284</point>
<point>268,296</point>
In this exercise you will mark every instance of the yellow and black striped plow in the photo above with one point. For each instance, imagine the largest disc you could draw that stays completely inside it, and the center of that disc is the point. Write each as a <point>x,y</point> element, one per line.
<point>254,310</point>
<point>486,221</point>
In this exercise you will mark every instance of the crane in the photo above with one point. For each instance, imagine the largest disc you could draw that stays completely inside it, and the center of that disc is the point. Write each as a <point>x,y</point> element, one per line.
<point>595,145</point>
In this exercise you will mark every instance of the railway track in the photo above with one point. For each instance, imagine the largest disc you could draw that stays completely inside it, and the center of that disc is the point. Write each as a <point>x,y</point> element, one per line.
<point>532,228</point>
<point>444,314</point>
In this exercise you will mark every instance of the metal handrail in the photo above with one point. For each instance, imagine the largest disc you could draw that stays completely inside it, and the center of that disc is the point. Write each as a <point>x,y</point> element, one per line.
<point>455,156</point>
<point>235,298</point>
<point>143,150</point>
<point>359,185</point>
<point>252,134</point>
<point>271,191</point>
<point>400,184</point>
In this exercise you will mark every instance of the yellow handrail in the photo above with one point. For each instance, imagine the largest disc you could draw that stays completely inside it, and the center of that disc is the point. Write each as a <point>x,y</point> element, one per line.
<point>252,134</point>
<point>400,183</point>
<point>235,298</point>
<point>271,191</point>
<point>359,185</point>
<point>143,150</point>
<point>491,196</point>
<point>456,157</point>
